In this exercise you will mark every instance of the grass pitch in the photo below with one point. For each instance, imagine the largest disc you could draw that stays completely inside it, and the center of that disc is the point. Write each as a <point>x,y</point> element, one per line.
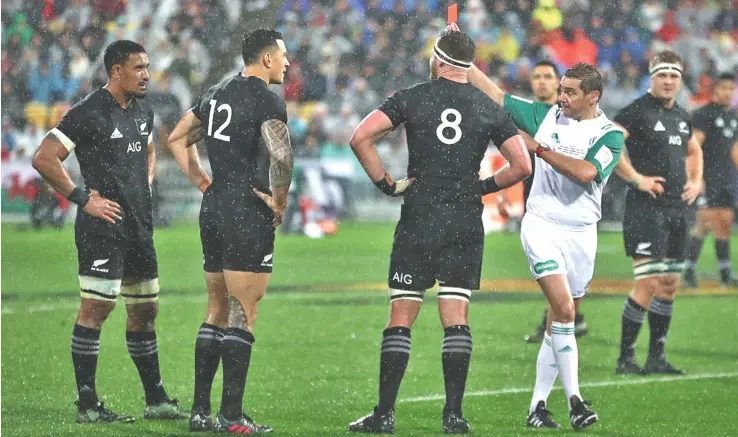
<point>316,359</point>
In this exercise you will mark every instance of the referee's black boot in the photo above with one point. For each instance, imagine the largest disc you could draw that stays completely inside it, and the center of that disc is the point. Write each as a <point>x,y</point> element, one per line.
<point>375,423</point>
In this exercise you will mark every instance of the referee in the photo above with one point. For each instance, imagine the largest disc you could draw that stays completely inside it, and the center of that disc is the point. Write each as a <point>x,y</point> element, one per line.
<point>110,130</point>
<point>664,166</point>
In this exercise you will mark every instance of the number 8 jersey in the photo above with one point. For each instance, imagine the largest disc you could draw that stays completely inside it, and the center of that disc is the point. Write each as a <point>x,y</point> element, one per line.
<point>449,126</point>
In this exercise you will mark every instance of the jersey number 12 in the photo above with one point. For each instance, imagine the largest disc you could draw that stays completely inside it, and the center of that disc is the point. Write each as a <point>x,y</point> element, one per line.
<point>447,124</point>
<point>218,133</point>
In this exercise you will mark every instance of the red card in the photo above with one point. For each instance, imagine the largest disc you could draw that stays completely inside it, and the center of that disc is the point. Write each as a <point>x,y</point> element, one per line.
<point>453,13</point>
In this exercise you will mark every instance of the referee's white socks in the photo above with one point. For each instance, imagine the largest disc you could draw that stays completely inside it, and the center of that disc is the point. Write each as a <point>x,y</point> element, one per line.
<point>566,354</point>
<point>546,372</point>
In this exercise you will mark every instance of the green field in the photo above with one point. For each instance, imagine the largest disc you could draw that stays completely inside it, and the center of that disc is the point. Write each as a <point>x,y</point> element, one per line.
<point>315,363</point>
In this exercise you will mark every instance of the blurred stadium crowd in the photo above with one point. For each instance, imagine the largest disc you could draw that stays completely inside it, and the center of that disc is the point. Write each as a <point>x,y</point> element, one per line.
<point>347,56</point>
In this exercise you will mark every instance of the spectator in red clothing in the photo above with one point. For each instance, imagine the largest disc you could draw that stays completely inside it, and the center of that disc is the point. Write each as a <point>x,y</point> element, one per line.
<point>669,31</point>
<point>570,46</point>
<point>294,85</point>
<point>110,9</point>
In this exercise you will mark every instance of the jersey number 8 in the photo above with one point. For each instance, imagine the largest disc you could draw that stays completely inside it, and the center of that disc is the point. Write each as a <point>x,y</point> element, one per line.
<point>218,133</point>
<point>446,123</point>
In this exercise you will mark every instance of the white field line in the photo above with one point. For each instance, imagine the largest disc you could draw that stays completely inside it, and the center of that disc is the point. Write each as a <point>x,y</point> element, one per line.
<point>607,383</point>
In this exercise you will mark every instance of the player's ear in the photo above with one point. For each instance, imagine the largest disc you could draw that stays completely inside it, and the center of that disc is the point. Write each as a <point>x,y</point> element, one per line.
<point>267,59</point>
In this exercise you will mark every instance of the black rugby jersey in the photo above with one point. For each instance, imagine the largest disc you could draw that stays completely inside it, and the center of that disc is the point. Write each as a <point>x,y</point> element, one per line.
<point>231,114</point>
<point>449,126</point>
<point>111,144</point>
<point>720,126</point>
<point>657,146</point>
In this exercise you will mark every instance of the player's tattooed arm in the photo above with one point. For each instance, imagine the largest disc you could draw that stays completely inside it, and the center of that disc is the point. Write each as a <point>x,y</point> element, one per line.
<point>188,131</point>
<point>182,142</point>
<point>277,139</point>
<point>236,314</point>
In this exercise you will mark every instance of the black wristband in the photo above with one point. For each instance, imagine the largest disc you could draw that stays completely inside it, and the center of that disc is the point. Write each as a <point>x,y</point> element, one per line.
<point>490,186</point>
<point>384,186</point>
<point>79,197</point>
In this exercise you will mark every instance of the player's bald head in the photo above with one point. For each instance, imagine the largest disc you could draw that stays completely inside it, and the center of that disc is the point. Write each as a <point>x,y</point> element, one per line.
<point>455,48</point>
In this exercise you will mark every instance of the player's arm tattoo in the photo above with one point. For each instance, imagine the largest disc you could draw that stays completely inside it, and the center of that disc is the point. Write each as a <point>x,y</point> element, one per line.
<point>195,135</point>
<point>236,315</point>
<point>277,139</point>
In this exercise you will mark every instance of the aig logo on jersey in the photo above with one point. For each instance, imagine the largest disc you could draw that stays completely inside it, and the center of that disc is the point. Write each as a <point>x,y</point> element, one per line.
<point>675,140</point>
<point>134,146</point>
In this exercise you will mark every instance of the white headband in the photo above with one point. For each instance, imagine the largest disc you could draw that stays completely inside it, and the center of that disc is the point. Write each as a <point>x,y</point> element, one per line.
<point>440,54</point>
<point>666,67</point>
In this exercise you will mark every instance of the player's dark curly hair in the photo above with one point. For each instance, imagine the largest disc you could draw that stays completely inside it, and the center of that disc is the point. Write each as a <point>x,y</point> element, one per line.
<point>590,77</point>
<point>118,52</point>
<point>256,41</point>
<point>457,44</point>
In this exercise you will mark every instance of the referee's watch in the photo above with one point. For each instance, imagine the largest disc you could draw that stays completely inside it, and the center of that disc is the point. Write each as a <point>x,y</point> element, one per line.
<point>542,147</point>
